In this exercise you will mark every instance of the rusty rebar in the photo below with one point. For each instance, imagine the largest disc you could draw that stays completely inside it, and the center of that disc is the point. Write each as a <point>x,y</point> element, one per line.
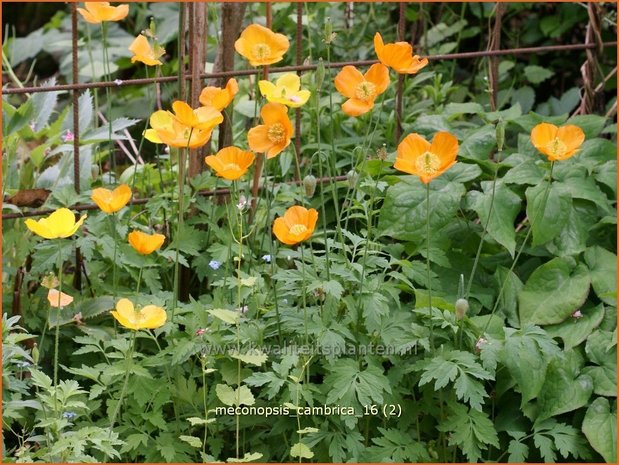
<point>283,69</point>
<point>204,193</point>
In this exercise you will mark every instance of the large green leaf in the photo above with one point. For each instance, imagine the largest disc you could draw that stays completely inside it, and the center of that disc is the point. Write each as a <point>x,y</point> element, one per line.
<point>553,292</point>
<point>499,214</point>
<point>563,391</point>
<point>603,271</point>
<point>575,330</point>
<point>404,211</point>
<point>547,210</point>
<point>600,428</point>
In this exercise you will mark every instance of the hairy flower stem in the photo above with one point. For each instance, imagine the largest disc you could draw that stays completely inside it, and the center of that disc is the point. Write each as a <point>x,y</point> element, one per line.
<point>57,336</point>
<point>524,242</point>
<point>128,360</point>
<point>429,277</point>
<point>181,215</point>
<point>108,100</point>
<point>113,222</point>
<point>238,325</point>
<point>137,288</point>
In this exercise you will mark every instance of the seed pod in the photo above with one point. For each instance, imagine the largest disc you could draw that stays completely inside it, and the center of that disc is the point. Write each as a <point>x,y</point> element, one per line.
<point>462,306</point>
<point>319,76</point>
<point>309,184</point>
<point>381,153</point>
<point>35,354</point>
<point>500,135</point>
<point>352,177</point>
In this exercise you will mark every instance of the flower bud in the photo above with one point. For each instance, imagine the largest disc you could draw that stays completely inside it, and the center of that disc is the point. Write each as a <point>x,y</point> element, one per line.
<point>500,135</point>
<point>462,306</point>
<point>352,177</point>
<point>35,354</point>
<point>319,76</point>
<point>309,184</point>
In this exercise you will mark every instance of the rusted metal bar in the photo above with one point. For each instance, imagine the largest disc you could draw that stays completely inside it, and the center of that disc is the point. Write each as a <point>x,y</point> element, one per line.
<point>197,55</point>
<point>284,69</point>
<point>205,193</point>
<point>77,276</point>
<point>400,88</point>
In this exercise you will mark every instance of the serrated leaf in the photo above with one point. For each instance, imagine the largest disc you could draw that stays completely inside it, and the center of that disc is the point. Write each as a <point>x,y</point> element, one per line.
<point>227,316</point>
<point>237,397</point>
<point>248,457</point>
<point>191,440</point>
<point>254,357</point>
<point>301,450</point>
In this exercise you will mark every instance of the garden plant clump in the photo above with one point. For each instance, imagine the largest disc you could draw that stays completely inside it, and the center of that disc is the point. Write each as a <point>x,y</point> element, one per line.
<point>314,232</point>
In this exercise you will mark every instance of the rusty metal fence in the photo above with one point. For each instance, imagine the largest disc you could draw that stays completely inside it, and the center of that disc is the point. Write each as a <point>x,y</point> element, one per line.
<point>193,74</point>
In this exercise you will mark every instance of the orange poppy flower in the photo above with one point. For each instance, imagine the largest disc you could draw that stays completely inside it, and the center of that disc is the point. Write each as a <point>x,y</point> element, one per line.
<point>417,156</point>
<point>297,225</point>
<point>361,90</point>
<point>274,135</point>
<point>261,46</point>
<point>557,143</point>
<point>398,56</point>
<point>58,299</point>
<point>97,12</point>
<point>230,163</point>
<point>149,317</point>
<point>217,97</point>
<point>145,244</point>
<point>185,128</point>
<point>142,51</point>
<point>111,201</point>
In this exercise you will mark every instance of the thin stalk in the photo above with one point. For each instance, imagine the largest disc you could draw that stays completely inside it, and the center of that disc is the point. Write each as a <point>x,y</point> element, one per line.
<point>113,221</point>
<point>137,288</point>
<point>57,336</point>
<point>526,238</point>
<point>128,360</point>
<point>428,264</point>
<point>108,101</point>
<point>238,325</point>
<point>204,389</point>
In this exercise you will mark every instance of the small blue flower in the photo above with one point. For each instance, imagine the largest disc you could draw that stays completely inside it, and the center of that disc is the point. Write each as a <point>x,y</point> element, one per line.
<point>214,264</point>
<point>69,415</point>
<point>267,258</point>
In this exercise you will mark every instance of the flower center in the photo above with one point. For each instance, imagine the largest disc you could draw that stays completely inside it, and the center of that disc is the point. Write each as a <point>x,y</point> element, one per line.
<point>428,163</point>
<point>232,167</point>
<point>261,51</point>
<point>365,91</point>
<point>276,133</point>
<point>557,148</point>
<point>298,229</point>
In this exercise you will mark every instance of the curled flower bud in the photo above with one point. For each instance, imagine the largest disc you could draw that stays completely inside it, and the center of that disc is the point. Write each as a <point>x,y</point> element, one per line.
<point>462,306</point>
<point>352,177</point>
<point>309,184</point>
<point>320,74</point>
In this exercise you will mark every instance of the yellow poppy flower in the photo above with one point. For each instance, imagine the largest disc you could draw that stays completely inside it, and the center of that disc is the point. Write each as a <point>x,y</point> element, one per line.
<point>297,225</point>
<point>557,143</point>
<point>217,97</point>
<point>286,90</point>
<point>261,46</point>
<point>97,12</point>
<point>58,299</point>
<point>142,51</point>
<point>183,128</point>
<point>145,244</point>
<point>230,163</point>
<point>361,89</point>
<point>60,223</point>
<point>417,156</point>
<point>149,317</point>
<point>398,56</point>
<point>274,135</point>
<point>111,201</point>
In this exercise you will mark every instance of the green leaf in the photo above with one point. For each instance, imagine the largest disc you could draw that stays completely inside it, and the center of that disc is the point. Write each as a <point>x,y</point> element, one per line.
<point>396,446</point>
<point>479,143</point>
<point>553,292</point>
<point>603,272</point>
<point>591,125</point>
<point>191,440</point>
<point>509,300</point>
<point>536,74</point>
<point>562,391</point>
<point>405,208</point>
<point>527,172</point>
<point>227,316</point>
<point>526,355</point>
<point>248,457</point>
<point>254,357</point>
<point>237,397</point>
<point>499,214</point>
<point>470,429</point>
<point>470,108</point>
<point>547,210</point>
<point>550,436</point>
<point>573,331</point>
<point>518,451</point>
<point>347,381</point>
<point>600,428</point>
<point>301,450</point>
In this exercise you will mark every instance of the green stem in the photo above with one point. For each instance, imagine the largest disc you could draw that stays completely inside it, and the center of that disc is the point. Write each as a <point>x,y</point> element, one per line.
<point>108,100</point>
<point>526,238</point>
<point>137,288</point>
<point>57,335</point>
<point>113,221</point>
<point>204,389</point>
<point>128,360</point>
<point>428,265</point>
<point>238,325</point>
